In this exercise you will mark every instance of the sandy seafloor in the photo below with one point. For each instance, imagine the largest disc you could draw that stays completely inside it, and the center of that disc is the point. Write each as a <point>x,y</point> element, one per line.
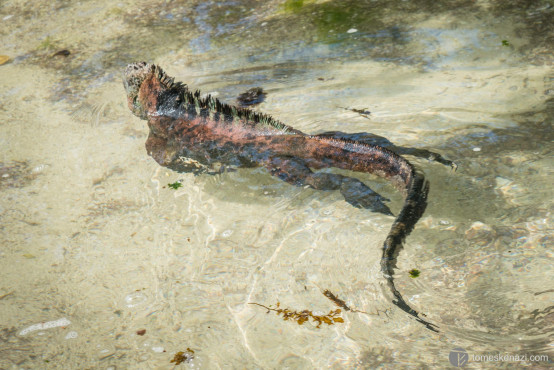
<point>94,246</point>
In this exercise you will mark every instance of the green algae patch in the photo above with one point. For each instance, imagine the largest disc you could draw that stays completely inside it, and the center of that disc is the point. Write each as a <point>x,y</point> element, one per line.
<point>293,6</point>
<point>414,273</point>
<point>175,185</point>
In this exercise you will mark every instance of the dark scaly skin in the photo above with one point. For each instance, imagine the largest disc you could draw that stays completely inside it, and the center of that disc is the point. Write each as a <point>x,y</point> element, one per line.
<point>183,125</point>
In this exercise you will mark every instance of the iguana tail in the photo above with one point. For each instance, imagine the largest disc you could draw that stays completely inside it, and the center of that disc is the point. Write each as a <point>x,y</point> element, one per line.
<point>414,206</point>
<point>358,156</point>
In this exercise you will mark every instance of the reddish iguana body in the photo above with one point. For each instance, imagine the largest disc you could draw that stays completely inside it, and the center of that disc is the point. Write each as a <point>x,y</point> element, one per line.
<point>184,125</point>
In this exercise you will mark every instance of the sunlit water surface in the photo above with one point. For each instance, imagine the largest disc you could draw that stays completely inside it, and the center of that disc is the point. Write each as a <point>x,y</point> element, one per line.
<point>96,248</point>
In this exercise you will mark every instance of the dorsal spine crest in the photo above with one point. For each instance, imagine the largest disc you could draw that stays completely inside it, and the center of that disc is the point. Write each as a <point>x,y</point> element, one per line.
<point>194,103</point>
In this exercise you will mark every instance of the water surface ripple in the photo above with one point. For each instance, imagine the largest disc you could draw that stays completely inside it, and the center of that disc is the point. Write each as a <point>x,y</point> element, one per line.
<point>103,265</point>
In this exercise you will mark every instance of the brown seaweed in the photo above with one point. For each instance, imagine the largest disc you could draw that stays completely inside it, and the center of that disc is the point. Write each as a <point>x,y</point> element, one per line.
<point>303,316</point>
<point>182,356</point>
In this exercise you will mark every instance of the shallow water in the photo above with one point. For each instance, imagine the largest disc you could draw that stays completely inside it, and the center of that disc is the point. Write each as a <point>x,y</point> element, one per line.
<point>96,246</point>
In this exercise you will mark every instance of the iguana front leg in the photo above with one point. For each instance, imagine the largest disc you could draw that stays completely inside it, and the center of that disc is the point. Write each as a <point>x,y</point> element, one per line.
<point>296,172</point>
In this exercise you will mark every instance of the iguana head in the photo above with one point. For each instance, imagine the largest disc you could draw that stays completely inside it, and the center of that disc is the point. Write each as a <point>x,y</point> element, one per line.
<point>143,83</point>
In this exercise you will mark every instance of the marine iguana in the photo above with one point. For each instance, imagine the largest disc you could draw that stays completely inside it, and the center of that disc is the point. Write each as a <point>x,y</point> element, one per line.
<point>185,126</point>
